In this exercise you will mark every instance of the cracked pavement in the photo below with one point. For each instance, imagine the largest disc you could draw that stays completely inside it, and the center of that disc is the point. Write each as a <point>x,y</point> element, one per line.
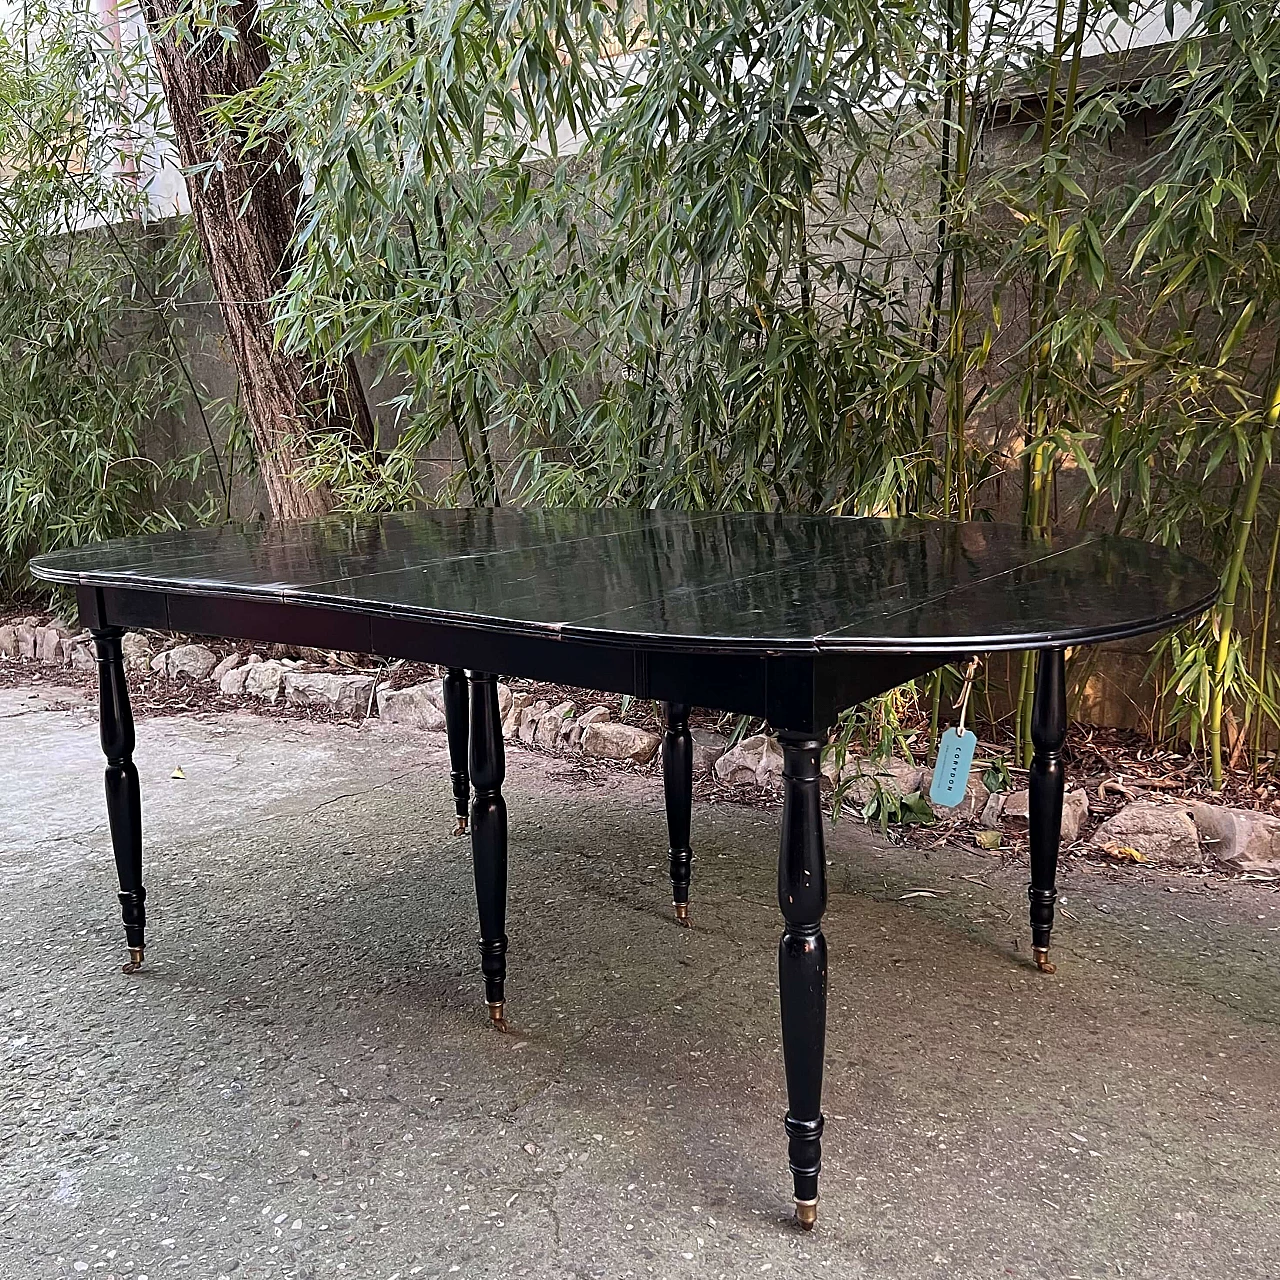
<point>301,1083</point>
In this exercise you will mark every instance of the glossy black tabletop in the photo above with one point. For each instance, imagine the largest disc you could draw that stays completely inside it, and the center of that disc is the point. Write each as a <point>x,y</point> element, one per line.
<point>699,581</point>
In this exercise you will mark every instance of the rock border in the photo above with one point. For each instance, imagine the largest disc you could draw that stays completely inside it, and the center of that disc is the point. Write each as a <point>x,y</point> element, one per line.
<point>1172,834</point>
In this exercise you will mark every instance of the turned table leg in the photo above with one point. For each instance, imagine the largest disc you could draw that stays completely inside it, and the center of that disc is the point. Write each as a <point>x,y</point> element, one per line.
<point>802,964</point>
<point>677,779</point>
<point>1048,732</point>
<point>124,803</point>
<point>489,839</point>
<point>456,715</point>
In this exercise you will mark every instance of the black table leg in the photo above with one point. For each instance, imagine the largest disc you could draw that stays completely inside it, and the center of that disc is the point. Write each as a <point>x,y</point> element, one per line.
<point>489,838</point>
<point>1048,732</point>
<point>456,715</point>
<point>677,780</point>
<point>802,963</point>
<point>124,803</point>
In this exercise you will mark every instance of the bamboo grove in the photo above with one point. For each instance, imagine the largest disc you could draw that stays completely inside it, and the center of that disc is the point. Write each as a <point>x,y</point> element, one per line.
<point>970,260</point>
<point>87,352</point>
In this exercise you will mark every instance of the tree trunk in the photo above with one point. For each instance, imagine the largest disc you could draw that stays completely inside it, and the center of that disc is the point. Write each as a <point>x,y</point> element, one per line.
<point>244,212</point>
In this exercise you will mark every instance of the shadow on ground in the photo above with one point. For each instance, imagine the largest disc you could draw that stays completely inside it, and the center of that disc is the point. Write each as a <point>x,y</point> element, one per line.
<point>301,1083</point>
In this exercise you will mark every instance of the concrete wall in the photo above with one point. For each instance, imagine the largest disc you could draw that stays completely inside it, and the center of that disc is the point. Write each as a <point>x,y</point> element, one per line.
<point>1117,691</point>
<point>202,335</point>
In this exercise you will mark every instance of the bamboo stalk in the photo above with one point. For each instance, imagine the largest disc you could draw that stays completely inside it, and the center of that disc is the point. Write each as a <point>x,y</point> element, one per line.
<point>455,418</point>
<point>473,403</point>
<point>944,234</point>
<point>1231,580</point>
<point>1022,714</point>
<point>1035,303</point>
<point>955,378</point>
<point>1037,458</point>
<point>1263,641</point>
<point>935,714</point>
<point>1028,706</point>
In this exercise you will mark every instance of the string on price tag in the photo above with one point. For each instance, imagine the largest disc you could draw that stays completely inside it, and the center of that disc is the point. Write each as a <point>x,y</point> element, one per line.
<point>955,753</point>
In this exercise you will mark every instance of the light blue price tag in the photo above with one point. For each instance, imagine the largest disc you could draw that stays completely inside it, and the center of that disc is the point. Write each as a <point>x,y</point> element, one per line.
<point>951,773</point>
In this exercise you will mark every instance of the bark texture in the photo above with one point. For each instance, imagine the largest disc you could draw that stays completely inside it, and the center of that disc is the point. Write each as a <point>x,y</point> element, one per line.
<point>244,211</point>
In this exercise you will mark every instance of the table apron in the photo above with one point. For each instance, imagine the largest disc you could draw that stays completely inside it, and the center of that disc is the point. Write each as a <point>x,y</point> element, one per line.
<point>803,692</point>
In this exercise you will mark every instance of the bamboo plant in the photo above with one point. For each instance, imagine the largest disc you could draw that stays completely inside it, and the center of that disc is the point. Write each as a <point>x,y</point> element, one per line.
<point>860,256</point>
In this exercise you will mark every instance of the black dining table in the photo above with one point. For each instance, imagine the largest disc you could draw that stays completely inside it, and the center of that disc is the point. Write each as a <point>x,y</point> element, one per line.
<point>789,618</point>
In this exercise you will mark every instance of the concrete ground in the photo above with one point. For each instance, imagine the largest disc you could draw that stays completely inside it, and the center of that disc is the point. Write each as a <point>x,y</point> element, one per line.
<point>301,1083</point>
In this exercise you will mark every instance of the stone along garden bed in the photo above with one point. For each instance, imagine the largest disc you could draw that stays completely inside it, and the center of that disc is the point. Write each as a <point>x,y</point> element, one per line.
<point>1154,811</point>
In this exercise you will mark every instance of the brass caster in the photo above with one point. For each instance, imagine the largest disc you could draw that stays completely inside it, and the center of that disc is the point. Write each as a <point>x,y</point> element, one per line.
<point>1043,962</point>
<point>496,1017</point>
<point>135,961</point>
<point>807,1213</point>
<point>461,828</point>
<point>682,913</point>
